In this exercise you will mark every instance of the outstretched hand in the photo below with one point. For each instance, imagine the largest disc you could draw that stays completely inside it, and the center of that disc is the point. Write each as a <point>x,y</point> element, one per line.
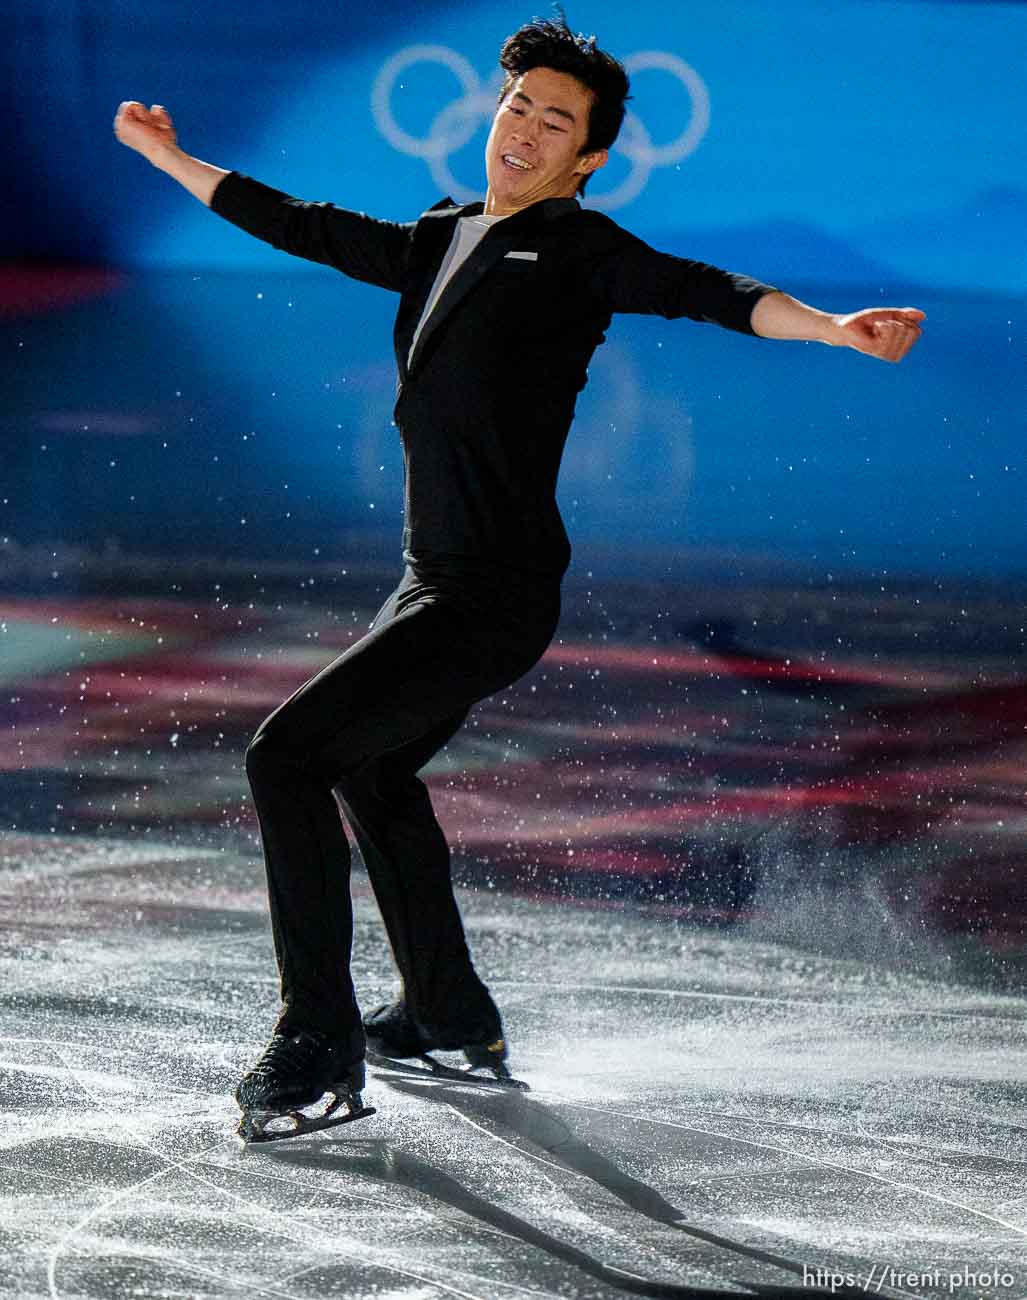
<point>884,332</point>
<point>145,130</point>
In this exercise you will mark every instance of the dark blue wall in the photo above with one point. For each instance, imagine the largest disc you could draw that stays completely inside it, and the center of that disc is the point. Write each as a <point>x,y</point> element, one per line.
<point>855,152</point>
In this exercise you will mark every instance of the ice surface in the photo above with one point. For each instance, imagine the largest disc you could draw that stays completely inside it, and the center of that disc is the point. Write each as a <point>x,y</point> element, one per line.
<point>701,1101</point>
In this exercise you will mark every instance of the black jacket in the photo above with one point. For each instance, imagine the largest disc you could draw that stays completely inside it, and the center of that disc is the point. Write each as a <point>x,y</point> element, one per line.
<point>485,405</point>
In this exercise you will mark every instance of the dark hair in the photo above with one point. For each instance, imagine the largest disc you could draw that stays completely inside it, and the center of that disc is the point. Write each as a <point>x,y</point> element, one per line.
<point>548,43</point>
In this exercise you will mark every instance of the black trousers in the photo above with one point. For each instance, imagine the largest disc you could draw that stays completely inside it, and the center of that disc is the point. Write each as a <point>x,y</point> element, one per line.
<point>352,740</point>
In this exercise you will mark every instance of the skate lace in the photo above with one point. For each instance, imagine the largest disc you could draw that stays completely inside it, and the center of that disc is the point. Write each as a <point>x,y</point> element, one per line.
<point>289,1052</point>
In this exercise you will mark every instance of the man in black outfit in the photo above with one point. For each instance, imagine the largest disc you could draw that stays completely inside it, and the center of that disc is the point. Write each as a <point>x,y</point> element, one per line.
<point>501,307</point>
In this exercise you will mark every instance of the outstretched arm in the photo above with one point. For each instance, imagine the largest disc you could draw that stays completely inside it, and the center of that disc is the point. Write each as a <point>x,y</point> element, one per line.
<point>884,332</point>
<point>358,245</point>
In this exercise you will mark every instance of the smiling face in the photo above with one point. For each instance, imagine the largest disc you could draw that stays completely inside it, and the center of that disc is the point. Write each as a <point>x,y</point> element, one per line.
<point>534,148</point>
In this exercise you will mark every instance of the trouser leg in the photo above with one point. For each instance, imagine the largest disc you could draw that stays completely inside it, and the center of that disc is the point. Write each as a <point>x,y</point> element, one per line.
<point>408,861</point>
<point>307,863</point>
<point>416,673</point>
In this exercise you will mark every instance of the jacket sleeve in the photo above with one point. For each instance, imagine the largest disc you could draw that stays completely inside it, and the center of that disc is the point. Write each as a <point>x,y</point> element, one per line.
<point>358,245</point>
<point>629,276</point>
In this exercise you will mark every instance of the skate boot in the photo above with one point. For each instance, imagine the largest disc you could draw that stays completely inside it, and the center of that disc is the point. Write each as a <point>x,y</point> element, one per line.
<point>393,1034</point>
<point>282,1096</point>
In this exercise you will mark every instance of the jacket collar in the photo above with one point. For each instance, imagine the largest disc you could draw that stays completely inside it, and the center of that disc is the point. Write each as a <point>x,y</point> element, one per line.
<point>547,209</point>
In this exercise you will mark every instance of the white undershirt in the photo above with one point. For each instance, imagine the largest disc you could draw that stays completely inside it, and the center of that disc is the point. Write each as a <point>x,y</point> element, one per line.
<point>467,236</point>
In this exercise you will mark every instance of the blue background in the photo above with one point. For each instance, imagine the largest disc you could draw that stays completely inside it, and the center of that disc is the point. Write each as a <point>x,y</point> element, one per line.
<point>857,154</point>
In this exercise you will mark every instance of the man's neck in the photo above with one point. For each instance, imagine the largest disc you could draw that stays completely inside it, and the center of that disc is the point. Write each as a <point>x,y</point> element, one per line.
<point>492,209</point>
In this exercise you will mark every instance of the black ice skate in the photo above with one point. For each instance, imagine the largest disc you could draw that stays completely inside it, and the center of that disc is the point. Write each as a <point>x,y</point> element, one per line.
<point>393,1035</point>
<point>283,1095</point>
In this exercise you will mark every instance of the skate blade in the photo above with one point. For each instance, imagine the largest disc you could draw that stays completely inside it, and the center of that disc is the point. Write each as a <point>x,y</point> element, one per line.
<point>431,1069</point>
<point>276,1125</point>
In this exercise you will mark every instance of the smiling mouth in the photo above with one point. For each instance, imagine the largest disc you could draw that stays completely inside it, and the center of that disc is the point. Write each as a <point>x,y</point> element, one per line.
<point>516,164</point>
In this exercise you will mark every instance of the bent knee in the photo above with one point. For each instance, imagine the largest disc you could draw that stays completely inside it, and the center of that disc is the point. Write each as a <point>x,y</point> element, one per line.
<point>264,752</point>
<point>269,757</point>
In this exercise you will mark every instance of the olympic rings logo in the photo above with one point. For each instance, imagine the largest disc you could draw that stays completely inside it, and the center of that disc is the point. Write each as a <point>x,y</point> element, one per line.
<point>454,126</point>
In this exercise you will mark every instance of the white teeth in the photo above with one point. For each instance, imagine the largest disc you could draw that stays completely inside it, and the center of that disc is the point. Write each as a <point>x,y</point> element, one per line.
<point>516,162</point>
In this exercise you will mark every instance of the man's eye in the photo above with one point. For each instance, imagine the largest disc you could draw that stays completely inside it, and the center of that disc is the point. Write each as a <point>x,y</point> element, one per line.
<point>555,128</point>
<point>518,111</point>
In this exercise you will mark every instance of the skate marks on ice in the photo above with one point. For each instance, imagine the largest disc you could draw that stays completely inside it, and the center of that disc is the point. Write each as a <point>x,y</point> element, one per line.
<point>903,1147</point>
<point>191,1217</point>
<point>539,1128</point>
<point>120,1238</point>
<point>825,1111</point>
<point>403,1169</point>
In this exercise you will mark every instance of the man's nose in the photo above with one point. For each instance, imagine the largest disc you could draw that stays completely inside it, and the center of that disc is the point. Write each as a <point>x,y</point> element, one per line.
<point>527,131</point>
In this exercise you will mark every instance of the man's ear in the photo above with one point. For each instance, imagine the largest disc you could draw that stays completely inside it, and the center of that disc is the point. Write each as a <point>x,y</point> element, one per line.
<point>591,162</point>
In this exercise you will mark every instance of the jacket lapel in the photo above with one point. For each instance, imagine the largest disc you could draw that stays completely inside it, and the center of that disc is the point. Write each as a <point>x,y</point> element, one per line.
<point>431,240</point>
